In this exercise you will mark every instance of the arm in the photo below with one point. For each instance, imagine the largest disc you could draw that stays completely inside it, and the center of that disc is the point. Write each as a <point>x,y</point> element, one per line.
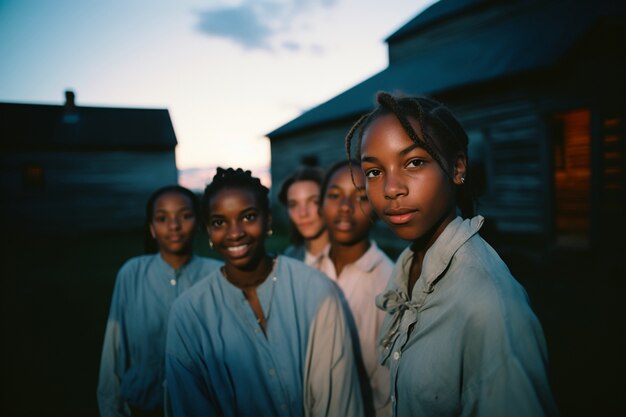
<point>509,375</point>
<point>187,392</point>
<point>331,385</point>
<point>113,357</point>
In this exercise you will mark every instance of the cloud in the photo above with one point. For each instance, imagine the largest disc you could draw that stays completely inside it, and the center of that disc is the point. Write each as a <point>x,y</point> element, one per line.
<point>253,24</point>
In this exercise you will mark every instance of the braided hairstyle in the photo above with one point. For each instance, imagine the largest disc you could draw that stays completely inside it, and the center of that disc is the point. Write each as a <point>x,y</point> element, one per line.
<point>149,243</point>
<point>440,134</point>
<point>235,178</point>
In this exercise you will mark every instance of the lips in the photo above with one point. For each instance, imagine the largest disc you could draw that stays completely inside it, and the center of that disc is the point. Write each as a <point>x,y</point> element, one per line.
<point>399,216</point>
<point>237,251</point>
<point>343,225</point>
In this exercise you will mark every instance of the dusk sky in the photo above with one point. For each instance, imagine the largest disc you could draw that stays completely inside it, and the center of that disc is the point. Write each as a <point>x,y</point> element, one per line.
<point>228,71</point>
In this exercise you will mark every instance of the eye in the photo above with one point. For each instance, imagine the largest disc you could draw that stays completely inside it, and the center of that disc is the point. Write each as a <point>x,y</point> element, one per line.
<point>332,196</point>
<point>361,198</point>
<point>416,163</point>
<point>189,216</point>
<point>159,219</point>
<point>250,217</point>
<point>372,173</point>
<point>217,223</point>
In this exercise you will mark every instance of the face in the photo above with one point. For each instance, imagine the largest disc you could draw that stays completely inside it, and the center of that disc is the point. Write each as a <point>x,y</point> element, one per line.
<point>237,227</point>
<point>173,223</point>
<point>345,209</point>
<point>406,187</point>
<point>303,200</point>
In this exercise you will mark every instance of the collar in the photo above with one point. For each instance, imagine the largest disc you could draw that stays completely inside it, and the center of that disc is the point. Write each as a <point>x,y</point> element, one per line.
<point>439,255</point>
<point>167,268</point>
<point>366,263</point>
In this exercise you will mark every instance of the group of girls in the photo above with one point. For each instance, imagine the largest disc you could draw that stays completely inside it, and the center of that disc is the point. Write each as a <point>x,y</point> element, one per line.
<point>332,327</point>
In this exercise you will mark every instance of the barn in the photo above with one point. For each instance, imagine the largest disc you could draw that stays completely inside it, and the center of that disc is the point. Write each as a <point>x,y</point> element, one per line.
<point>74,169</point>
<point>538,85</point>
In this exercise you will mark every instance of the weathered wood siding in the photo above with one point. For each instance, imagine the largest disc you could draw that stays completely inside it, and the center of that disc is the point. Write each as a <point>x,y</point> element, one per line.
<point>83,191</point>
<point>508,139</point>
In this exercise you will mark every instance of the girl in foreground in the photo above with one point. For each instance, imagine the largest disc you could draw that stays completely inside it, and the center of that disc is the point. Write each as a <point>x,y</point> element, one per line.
<point>358,266</point>
<point>300,193</point>
<point>133,353</point>
<point>459,338</point>
<point>264,335</point>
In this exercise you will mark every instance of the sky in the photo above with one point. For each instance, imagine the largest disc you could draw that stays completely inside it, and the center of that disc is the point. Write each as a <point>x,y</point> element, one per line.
<point>228,71</point>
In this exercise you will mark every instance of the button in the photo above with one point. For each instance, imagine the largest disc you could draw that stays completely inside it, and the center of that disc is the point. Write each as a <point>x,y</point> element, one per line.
<point>283,407</point>
<point>393,398</point>
<point>396,355</point>
<point>272,372</point>
<point>173,282</point>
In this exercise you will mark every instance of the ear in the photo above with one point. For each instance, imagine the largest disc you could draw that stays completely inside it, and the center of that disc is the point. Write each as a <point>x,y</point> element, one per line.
<point>152,232</point>
<point>460,169</point>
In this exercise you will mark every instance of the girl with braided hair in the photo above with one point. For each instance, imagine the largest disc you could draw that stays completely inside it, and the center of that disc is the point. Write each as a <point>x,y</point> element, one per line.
<point>264,335</point>
<point>459,336</point>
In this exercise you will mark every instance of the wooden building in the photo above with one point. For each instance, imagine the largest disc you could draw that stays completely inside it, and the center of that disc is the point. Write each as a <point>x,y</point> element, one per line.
<point>68,168</point>
<point>540,87</point>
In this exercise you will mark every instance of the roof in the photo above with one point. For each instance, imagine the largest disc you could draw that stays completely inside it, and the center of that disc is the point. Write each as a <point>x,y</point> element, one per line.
<point>518,42</point>
<point>438,11</point>
<point>40,126</point>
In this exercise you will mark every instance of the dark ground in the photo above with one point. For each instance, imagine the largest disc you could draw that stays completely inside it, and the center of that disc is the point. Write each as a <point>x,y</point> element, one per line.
<point>56,294</point>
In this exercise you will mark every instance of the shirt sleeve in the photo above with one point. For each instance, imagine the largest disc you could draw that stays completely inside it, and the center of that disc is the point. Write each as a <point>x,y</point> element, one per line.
<point>510,374</point>
<point>331,385</point>
<point>187,392</point>
<point>112,359</point>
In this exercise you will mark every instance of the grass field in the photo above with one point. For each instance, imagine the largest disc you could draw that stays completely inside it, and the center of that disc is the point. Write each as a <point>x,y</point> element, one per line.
<point>56,293</point>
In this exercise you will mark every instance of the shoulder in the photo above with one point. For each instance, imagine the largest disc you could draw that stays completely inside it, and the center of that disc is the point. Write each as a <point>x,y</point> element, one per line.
<point>302,276</point>
<point>134,266</point>
<point>199,295</point>
<point>295,251</point>
<point>206,264</point>
<point>490,292</point>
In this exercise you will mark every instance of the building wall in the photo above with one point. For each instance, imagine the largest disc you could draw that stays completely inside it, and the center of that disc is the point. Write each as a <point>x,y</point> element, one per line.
<point>81,191</point>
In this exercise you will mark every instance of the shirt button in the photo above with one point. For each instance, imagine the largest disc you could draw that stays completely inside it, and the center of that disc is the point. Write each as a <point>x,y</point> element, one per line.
<point>396,355</point>
<point>393,398</point>
<point>272,372</point>
<point>173,282</point>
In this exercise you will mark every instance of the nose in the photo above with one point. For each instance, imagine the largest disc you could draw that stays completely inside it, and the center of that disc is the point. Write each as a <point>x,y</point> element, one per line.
<point>235,231</point>
<point>346,204</point>
<point>174,223</point>
<point>394,186</point>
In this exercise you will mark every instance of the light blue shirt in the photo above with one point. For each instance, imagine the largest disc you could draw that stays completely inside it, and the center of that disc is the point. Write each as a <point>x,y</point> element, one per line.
<point>219,361</point>
<point>133,352</point>
<point>466,342</point>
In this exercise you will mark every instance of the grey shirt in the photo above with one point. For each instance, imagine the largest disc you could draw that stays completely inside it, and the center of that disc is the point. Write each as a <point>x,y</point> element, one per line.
<point>465,342</point>
<point>133,352</point>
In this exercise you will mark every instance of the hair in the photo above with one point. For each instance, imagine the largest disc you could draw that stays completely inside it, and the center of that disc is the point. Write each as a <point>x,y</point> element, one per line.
<point>331,171</point>
<point>150,244</point>
<point>440,134</point>
<point>303,173</point>
<point>235,178</point>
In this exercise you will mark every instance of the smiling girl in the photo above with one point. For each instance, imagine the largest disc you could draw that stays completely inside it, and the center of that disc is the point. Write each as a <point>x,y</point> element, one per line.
<point>459,337</point>
<point>133,353</point>
<point>264,335</point>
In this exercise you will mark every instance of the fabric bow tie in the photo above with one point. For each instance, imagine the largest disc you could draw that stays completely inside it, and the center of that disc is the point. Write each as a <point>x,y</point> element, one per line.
<point>395,302</point>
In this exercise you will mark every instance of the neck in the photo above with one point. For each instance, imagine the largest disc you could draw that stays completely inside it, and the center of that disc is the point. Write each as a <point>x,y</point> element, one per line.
<point>316,245</point>
<point>342,255</point>
<point>250,277</point>
<point>176,260</point>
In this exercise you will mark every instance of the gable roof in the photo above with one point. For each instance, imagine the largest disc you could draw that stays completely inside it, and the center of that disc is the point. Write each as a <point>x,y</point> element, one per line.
<point>47,127</point>
<point>532,37</point>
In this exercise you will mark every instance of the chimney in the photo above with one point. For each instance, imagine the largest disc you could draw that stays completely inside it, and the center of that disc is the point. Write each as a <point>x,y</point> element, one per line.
<point>70,114</point>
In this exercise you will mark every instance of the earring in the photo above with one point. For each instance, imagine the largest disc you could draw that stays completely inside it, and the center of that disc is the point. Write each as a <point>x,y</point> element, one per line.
<point>462,180</point>
<point>270,232</point>
<point>210,243</point>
